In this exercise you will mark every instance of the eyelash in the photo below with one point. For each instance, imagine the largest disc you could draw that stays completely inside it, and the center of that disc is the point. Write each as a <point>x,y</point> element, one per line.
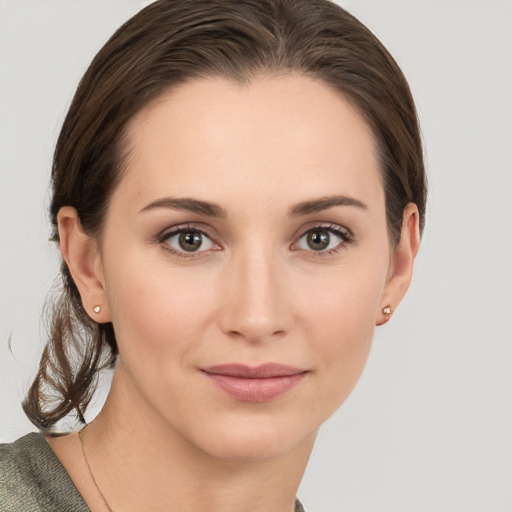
<point>344,234</point>
<point>162,239</point>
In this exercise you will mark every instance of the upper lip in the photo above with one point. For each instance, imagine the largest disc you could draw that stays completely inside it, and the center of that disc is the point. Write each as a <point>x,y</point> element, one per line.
<point>263,371</point>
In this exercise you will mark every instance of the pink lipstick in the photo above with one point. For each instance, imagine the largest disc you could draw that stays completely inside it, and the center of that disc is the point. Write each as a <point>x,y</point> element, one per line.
<point>255,384</point>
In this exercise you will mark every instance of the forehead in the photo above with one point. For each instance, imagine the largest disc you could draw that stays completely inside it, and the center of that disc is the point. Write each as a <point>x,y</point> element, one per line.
<point>212,136</point>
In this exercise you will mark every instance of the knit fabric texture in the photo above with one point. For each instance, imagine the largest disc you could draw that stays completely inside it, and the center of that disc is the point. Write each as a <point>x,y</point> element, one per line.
<point>32,479</point>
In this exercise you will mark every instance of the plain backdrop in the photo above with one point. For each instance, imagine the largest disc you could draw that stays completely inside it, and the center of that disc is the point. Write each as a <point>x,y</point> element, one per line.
<point>429,426</point>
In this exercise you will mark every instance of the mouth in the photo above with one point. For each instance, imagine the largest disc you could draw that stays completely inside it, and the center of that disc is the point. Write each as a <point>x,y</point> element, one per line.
<point>255,384</point>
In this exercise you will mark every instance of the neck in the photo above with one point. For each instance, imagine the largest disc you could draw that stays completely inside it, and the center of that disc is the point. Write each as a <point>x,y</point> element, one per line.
<point>140,462</point>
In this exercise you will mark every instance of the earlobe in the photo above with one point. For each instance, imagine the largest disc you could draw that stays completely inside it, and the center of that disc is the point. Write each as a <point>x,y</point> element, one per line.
<point>402,264</point>
<point>385,315</point>
<point>81,254</point>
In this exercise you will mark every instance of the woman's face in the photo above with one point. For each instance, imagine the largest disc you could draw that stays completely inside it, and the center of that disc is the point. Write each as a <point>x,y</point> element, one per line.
<point>249,229</point>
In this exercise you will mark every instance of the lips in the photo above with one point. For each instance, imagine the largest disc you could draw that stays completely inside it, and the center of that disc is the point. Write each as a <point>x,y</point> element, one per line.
<point>255,384</point>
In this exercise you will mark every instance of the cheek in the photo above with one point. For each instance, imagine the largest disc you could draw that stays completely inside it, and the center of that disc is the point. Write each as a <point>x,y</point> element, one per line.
<point>341,326</point>
<point>342,306</point>
<point>153,310</point>
<point>344,328</point>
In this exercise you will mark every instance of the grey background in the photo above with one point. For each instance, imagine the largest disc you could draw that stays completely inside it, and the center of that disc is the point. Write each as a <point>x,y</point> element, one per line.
<point>429,426</point>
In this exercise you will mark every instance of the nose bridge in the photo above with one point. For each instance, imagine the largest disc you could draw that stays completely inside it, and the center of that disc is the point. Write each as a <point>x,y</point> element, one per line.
<point>254,306</point>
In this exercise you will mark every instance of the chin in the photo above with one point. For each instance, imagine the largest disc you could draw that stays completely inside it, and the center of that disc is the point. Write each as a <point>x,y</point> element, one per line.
<point>255,440</point>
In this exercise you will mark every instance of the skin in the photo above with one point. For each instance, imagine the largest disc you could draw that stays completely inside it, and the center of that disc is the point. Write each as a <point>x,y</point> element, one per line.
<point>255,292</point>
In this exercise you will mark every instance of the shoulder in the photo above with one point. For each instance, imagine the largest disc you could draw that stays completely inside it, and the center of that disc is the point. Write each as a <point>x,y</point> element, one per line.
<point>32,479</point>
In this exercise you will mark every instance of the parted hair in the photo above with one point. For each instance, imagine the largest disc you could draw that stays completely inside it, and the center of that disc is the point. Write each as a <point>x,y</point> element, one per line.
<point>171,42</point>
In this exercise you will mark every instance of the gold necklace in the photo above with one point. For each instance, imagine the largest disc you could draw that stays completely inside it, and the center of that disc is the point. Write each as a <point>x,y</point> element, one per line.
<point>298,505</point>
<point>90,472</point>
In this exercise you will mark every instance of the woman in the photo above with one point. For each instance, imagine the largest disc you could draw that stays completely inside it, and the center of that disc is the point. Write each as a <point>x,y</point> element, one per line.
<point>238,196</point>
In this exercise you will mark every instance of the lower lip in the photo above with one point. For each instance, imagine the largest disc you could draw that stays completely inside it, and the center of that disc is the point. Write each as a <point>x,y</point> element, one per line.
<point>256,390</point>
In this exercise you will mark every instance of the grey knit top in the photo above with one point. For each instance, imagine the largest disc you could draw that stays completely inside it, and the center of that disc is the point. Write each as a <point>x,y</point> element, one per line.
<point>32,479</point>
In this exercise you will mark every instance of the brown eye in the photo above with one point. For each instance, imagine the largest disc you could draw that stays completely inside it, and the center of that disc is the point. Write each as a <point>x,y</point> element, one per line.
<point>190,241</point>
<point>324,239</point>
<point>318,240</point>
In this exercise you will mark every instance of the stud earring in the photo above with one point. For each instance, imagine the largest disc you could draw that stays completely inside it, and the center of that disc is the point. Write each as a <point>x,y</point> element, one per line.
<point>96,309</point>
<point>386,311</point>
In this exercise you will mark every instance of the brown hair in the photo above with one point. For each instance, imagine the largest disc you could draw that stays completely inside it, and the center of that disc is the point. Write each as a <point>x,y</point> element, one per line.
<point>173,41</point>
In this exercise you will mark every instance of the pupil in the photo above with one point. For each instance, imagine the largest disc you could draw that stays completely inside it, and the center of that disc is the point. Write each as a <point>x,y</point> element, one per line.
<point>190,241</point>
<point>318,240</point>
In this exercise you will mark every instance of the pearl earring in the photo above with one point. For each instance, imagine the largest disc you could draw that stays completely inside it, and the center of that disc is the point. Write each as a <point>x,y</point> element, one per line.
<point>96,309</point>
<point>386,310</point>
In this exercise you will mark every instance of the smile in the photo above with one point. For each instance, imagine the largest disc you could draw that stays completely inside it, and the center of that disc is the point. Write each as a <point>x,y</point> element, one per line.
<point>255,384</point>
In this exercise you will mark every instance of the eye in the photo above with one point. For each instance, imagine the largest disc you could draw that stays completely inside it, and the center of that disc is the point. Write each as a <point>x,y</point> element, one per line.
<point>187,240</point>
<point>323,239</point>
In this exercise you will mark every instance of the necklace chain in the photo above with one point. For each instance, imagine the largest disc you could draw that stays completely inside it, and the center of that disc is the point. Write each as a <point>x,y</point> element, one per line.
<point>297,507</point>
<point>90,472</point>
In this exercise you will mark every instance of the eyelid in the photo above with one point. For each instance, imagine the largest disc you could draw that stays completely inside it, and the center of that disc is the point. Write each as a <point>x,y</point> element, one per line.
<point>184,228</point>
<point>345,234</point>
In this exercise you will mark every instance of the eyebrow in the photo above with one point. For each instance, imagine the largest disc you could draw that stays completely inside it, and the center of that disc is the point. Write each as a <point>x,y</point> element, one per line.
<point>214,210</point>
<point>324,203</point>
<point>188,204</point>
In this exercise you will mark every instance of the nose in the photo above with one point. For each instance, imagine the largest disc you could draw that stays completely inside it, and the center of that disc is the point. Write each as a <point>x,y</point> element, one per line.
<point>254,306</point>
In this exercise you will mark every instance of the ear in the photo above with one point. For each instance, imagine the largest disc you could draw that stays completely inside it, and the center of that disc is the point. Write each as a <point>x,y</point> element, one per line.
<point>401,265</point>
<point>83,258</point>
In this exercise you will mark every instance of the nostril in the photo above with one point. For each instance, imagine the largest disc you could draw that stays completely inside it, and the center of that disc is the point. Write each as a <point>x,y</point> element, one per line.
<point>257,335</point>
